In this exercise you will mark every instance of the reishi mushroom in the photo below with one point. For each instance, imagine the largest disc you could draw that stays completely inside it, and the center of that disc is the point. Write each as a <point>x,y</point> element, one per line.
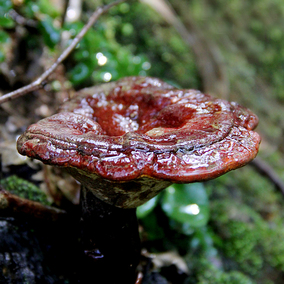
<point>126,141</point>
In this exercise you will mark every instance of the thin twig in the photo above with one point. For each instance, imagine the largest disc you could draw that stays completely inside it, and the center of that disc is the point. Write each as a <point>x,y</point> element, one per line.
<point>38,83</point>
<point>20,20</point>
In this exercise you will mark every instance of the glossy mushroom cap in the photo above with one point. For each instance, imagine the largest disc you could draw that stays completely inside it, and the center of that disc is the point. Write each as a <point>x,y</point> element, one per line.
<point>128,140</point>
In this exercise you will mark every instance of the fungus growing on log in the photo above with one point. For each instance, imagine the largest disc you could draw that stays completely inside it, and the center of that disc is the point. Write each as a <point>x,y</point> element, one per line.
<point>125,142</point>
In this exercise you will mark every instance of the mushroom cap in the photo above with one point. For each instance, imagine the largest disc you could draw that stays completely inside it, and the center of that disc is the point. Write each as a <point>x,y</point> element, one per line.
<point>138,135</point>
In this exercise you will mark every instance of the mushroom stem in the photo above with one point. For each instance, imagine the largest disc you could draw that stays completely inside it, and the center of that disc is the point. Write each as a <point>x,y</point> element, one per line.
<point>110,240</point>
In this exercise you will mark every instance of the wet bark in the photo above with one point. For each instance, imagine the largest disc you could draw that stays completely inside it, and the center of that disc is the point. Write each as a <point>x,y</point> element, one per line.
<point>37,253</point>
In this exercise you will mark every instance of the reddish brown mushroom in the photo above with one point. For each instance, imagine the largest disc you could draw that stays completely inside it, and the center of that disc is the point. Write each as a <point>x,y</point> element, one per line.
<point>126,141</point>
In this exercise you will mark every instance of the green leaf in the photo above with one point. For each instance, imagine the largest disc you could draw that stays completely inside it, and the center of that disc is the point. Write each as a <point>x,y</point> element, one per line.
<point>80,73</point>
<point>151,226</point>
<point>187,203</point>
<point>47,7</point>
<point>146,208</point>
<point>5,20</point>
<point>30,9</point>
<point>2,56</point>
<point>4,37</point>
<point>4,46</point>
<point>51,35</point>
<point>5,6</point>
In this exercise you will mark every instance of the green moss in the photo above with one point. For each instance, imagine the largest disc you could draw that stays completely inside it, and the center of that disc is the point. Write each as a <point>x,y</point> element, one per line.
<point>242,245</point>
<point>209,274</point>
<point>273,246</point>
<point>248,187</point>
<point>234,277</point>
<point>239,230</point>
<point>24,189</point>
<point>249,243</point>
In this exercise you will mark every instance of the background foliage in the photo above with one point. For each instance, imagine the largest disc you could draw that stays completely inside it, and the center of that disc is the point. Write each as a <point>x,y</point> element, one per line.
<point>226,230</point>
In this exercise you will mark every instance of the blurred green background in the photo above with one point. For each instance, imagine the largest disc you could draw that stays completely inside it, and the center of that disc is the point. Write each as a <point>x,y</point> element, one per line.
<point>229,230</point>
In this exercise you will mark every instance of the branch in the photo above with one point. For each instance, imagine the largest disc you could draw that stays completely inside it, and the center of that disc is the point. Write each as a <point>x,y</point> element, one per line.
<point>13,205</point>
<point>265,169</point>
<point>38,83</point>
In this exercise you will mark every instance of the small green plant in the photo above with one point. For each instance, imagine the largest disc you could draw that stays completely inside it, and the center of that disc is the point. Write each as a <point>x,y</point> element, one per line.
<point>184,203</point>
